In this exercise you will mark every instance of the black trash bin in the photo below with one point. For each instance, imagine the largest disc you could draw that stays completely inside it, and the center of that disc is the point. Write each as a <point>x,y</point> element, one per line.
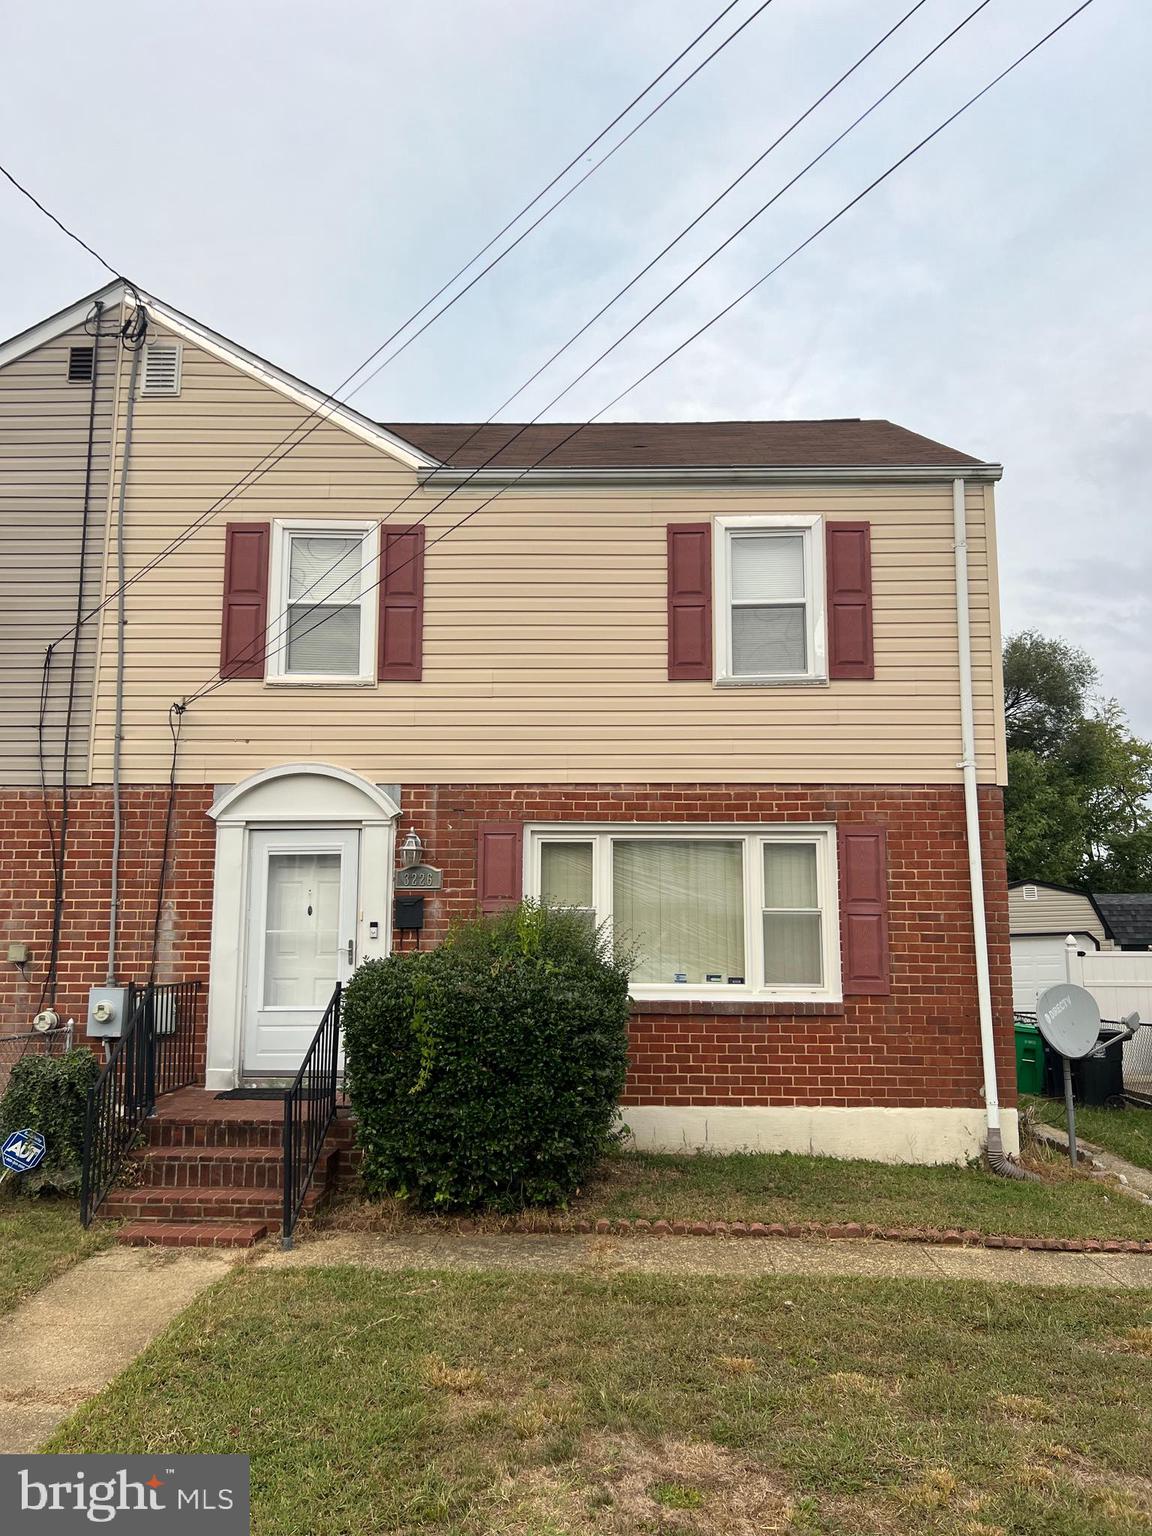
<point>1099,1077</point>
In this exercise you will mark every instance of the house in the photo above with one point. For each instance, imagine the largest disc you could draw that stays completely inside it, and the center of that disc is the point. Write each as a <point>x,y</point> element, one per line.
<point>1040,918</point>
<point>1128,918</point>
<point>731,687</point>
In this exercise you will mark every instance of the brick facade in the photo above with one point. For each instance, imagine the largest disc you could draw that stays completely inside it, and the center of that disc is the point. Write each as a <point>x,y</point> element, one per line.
<point>917,1047</point>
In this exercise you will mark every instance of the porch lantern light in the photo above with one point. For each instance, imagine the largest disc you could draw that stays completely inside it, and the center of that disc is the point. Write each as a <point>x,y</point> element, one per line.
<point>411,850</point>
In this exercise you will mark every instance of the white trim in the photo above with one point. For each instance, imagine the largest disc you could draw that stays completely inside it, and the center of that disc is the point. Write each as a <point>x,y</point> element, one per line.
<point>753,836</point>
<point>816,633</point>
<point>951,1134</point>
<point>227,351</point>
<point>295,389</point>
<point>223,814</point>
<point>284,530</point>
<point>242,809</point>
<point>57,325</point>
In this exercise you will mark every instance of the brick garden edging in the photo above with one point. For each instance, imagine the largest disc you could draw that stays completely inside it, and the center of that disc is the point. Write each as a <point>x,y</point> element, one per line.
<point>954,1237</point>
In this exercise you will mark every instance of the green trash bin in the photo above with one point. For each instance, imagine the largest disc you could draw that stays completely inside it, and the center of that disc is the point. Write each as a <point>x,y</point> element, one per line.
<point>1029,1058</point>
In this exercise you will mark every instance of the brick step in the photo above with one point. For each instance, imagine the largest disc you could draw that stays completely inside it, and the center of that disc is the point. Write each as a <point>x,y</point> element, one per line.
<point>204,1234</point>
<point>201,1204</point>
<point>170,1132</point>
<point>222,1167</point>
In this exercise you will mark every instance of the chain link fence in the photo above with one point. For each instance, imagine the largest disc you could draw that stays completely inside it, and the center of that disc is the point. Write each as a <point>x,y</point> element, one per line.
<point>33,1042</point>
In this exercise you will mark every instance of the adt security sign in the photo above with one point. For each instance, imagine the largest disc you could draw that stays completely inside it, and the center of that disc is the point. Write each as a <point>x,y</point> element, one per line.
<point>23,1151</point>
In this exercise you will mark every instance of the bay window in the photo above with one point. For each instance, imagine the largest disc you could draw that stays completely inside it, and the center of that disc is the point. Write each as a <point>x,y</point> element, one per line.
<point>715,912</point>
<point>321,614</point>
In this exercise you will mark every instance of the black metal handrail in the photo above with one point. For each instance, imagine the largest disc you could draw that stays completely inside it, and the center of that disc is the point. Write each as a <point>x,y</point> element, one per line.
<point>155,1055</point>
<point>309,1110</point>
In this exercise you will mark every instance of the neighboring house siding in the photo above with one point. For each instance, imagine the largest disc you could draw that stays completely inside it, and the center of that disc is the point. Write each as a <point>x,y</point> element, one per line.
<point>1053,911</point>
<point>545,626</point>
<point>43,452</point>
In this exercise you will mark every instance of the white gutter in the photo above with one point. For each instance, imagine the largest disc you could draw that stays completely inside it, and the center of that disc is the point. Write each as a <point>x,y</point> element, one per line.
<point>801,474</point>
<point>967,764</point>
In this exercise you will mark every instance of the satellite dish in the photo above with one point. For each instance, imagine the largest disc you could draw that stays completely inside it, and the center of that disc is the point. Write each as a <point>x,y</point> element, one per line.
<point>1069,1019</point>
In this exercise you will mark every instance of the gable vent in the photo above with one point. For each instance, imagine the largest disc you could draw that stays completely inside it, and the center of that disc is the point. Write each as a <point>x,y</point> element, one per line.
<point>161,369</point>
<point>80,364</point>
<point>1030,893</point>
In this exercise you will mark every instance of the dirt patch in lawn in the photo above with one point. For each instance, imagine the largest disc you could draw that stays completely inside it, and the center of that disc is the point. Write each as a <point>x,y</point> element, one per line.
<point>619,1485</point>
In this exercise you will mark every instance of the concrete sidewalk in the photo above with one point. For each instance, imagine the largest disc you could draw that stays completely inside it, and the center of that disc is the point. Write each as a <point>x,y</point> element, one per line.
<point>606,1255</point>
<point>68,1340</point>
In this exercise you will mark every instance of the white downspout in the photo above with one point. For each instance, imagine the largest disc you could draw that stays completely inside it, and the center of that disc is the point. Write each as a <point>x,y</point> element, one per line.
<point>967,765</point>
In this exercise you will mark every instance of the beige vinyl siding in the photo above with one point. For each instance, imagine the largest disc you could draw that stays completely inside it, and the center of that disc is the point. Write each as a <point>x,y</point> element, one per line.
<point>43,452</point>
<point>545,626</point>
<point>1053,911</point>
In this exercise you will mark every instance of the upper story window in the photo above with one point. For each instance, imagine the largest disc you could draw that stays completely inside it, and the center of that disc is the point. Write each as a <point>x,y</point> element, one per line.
<point>769,600</point>
<point>716,912</point>
<point>322,613</point>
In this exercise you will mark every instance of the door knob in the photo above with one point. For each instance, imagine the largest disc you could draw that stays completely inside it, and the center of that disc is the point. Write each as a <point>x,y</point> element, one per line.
<point>351,951</point>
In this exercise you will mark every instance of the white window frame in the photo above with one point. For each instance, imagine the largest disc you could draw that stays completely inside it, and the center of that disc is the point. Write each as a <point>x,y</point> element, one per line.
<point>283,532</point>
<point>816,641</point>
<point>753,836</point>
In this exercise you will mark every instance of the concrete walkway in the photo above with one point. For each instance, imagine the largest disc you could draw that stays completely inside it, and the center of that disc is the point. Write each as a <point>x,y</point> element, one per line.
<point>596,1255</point>
<point>69,1339</point>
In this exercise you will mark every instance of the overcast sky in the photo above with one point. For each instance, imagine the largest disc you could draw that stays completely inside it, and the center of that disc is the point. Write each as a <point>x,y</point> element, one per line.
<point>301,177</point>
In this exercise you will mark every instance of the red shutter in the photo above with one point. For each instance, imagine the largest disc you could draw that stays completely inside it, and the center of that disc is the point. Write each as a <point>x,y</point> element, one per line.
<point>849,560</point>
<point>245,617</point>
<point>499,866</point>
<point>864,911</point>
<point>689,601</point>
<point>401,638</point>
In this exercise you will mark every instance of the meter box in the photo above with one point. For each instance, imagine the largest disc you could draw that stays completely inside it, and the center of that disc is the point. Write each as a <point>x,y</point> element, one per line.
<point>107,1012</point>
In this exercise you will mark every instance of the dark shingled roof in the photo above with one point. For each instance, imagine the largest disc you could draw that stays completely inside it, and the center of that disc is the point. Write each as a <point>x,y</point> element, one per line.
<point>1127,918</point>
<point>846,444</point>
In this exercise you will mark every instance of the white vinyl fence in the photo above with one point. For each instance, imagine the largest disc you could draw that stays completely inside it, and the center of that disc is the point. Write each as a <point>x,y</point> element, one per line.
<point>1121,982</point>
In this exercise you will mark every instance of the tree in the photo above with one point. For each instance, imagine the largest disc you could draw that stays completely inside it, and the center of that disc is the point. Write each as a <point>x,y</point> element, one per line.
<point>1046,685</point>
<point>1078,806</point>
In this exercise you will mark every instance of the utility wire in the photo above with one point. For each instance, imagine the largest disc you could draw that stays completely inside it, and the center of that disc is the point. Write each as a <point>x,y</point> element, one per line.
<point>404,345</point>
<point>728,308</point>
<point>331,401</point>
<point>856,122</point>
<point>59,223</point>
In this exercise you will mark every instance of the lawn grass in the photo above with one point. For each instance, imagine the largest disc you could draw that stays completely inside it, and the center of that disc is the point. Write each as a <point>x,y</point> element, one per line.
<point>786,1187</point>
<point>39,1239</point>
<point>1126,1133</point>
<point>561,1405</point>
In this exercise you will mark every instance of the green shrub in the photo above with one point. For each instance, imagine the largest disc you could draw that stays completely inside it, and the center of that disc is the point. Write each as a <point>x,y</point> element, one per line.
<point>49,1094</point>
<point>487,1072</point>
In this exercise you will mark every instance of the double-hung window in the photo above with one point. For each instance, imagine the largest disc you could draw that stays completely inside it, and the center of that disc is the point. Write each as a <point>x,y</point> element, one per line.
<point>323,619</point>
<point>706,912</point>
<point>769,605</point>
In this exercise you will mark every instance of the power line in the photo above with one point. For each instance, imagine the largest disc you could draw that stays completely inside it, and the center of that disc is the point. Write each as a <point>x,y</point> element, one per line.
<point>728,308</point>
<point>703,214</point>
<point>59,223</point>
<point>671,292</point>
<point>263,467</point>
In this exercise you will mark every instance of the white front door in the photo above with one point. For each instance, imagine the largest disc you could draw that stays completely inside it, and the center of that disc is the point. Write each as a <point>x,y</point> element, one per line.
<point>302,911</point>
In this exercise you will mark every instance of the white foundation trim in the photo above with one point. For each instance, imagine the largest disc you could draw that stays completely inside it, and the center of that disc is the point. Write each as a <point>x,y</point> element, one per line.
<point>869,1131</point>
